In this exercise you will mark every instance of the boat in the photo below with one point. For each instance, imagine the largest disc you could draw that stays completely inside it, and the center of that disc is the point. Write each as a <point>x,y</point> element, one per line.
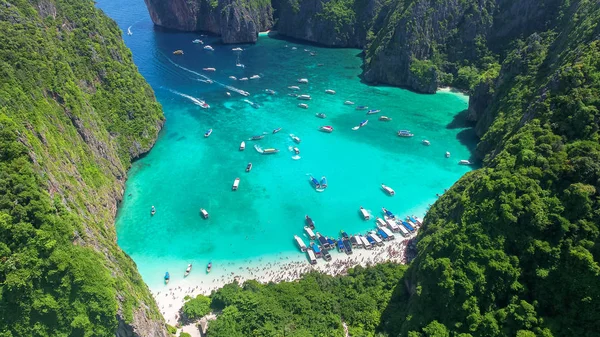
<point>381,234</point>
<point>426,142</point>
<point>329,91</point>
<point>340,245</point>
<point>322,241</point>
<point>347,246</point>
<point>326,128</point>
<point>311,256</point>
<point>209,267</point>
<point>270,151</point>
<point>302,105</point>
<point>404,133</point>
<point>407,226</point>
<point>270,92</point>
<point>254,77</point>
<point>365,242</point>
<point>309,232</point>
<point>240,65</point>
<point>257,137</point>
<point>242,146</point>
<point>388,189</point>
<point>344,235</point>
<point>320,64</point>
<point>323,182</point>
<point>302,80</point>
<point>388,213</point>
<point>295,138</point>
<point>197,41</point>
<point>293,87</point>
<point>254,105</point>
<point>236,184</point>
<point>321,115</point>
<point>385,118</point>
<point>348,103</point>
<point>365,214</point>
<point>372,112</point>
<point>362,107</point>
<point>188,270</point>
<point>304,97</point>
<point>167,277</point>
<point>204,213</point>
<point>363,123</point>
<point>276,130</point>
<point>325,253</point>
<point>300,243</point>
<point>208,133</point>
<point>465,162</point>
<point>380,222</point>
<point>296,150</point>
<point>209,69</point>
<point>249,167</point>
<point>237,49</point>
<point>207,47</point>
<point>232,78</point>
<point>309,222</point>
<point>152,211</point>
<point>388,232</point>
<point>354,241</point>
<point>178,52</point>
<point>331,242</point>
<point>447,154</point>
<point>243,79</point>
<point>228,94</point>
<point>315,182</point>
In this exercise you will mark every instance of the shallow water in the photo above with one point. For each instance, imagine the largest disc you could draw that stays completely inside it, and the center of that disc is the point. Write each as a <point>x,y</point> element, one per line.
<point>186,171</point>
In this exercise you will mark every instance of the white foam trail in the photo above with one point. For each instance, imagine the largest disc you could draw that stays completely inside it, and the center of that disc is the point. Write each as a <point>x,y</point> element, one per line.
<point>206,78</point>
<point>129,30</point>
<point>193,99</point>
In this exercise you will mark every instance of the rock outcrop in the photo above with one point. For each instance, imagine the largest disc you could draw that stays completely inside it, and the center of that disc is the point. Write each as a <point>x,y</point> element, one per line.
<point>236,21</point>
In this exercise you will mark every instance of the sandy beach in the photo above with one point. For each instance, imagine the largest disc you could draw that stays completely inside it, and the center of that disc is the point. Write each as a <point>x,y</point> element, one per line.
<point>170,298</point>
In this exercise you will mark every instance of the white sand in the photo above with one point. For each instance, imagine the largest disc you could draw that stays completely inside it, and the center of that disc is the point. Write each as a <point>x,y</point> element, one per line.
<point>286,268</point>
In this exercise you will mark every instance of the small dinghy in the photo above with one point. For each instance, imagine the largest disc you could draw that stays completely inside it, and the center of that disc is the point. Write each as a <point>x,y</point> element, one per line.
<point>295,138</point>
<point>208,133</point>
<point>348,103</point>
<point>385,119</point>
<point>249,167</point>
<point>242,146</point>
<point>152,211</point>
<point>188,270</point>
<point>204,213</point>
<point>326,128</point>
<point>258,137</point>
<point>321,115</point>
<point>305,97</point>
<point>209,267</point>
<point>329,91</point>
<point>276,130</point>
<point>167,277</point>
<point>303,106</point>
<point>372,112</point>
<point>388,189</point>
<point>236,184</point>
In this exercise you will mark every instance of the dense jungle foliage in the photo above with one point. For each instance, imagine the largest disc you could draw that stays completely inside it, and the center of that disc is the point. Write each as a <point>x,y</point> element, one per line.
<point>73,113</point>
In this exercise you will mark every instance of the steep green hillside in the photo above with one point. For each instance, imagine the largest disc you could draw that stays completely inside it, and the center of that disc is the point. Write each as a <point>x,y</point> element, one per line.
<point>73,113</point>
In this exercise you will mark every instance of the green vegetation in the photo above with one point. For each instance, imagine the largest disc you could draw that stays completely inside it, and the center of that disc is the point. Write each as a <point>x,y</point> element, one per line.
<point>196,307</point>
<point>73,113</point>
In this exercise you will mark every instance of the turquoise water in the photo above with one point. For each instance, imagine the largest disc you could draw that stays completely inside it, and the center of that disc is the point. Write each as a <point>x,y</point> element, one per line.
<point>186,171</point>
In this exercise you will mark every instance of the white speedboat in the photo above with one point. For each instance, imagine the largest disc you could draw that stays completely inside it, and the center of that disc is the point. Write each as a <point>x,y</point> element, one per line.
<point>295,138</point>
<point>329,91</point>
<point>236,184</point>
<point>237,49</point>
<point>385,118</point>
<point>204,105</point>
<point>209,48</point>
<point>198,41</point>
<point>204,213</point>
<point>209,69</point>
<point>240,65</point>
<point>254,77</point>
<point>243,79</point>
<point>326,128</point>
<point>304,97</point>
<point>447,154</point>
<point>465,162</point>
<point>228,94</point>
<point>293,87</point>
<point>404,133</point>
<point>188,270</point>
<point>302,80</point>
<point>388,189</point>
<point>426,142</point>
<point>365,214</point>
<point>232,78</point>
<point>242,146</point>
<point>302,105</point>
<point>348,103</point>
<point>208,133</point>
<point>372,111</point>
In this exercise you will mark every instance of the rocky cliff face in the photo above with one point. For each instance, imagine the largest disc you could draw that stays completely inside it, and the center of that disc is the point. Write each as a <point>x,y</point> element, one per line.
<point>236,21</point>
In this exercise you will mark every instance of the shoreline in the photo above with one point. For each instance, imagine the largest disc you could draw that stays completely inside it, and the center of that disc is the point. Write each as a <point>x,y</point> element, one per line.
<point>291,267</point>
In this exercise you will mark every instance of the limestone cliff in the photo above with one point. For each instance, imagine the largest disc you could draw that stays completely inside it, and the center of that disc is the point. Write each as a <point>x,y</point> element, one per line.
<point>236,21</point>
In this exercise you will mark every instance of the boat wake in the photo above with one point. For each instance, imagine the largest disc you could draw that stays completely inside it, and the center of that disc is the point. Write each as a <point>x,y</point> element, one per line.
<point>129,30</point>
<point>194,100</point>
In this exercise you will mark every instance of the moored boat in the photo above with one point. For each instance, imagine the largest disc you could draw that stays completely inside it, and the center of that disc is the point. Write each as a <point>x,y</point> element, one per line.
<point>300,243</point>
<point>363,123</point>
<point>242,146</point>
<point>315,182</point>
<point>309,222</point>
<point>388,189</point>
<point>296,150</point>
<point>311,256</point>
<point>208,133</point>
<point>465,162</point>
<point>243,79</point>
<point>236,184</point>
<point>321,115</point>
<point>348,103</point>
<point>152,210</point>
<point>365,214</point>
<point>315,248</point>
<point>197,41</point>
<point>309,232</point>
<point>329,91</point>
<point>326,128</point>
<point>209,267</point>
<point>302,80</point>
<point>254,77</point>
<point>270,92</point>
<point>232,78</point>
<point>426,142</point>
<point>362,107</point>
<point>249,167</point>
<point>228,94</point>
<point>295,138</point>
<point>257,137</point>
<point>305,97</point>
<point>303,105</point>
<point>270,151</point>
<point>237,49</point>
<point>388,213</point>
<point>323,182</point>
<point>276,130</point>
<point>207,47</point>
<point>447,154</point>
<point>385,118</point>
<point>209,69</point>
<point>188,270</point>
<point>204,213</point>
<point>167,277</point>
<point>404,133</point>
<point>294,87</point>
<point>372,111</point>
<point>178,52</point>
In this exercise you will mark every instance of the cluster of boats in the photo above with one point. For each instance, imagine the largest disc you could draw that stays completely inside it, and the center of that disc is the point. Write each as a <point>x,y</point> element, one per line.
<point>188,270</point>
<point>320,185</point>
<point>320,245</point>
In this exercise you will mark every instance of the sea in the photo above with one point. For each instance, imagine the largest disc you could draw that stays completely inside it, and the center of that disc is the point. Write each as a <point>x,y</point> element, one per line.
<point>186,171</point>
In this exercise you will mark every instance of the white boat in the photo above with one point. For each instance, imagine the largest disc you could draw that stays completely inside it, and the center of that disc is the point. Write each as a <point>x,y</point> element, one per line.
<point>209,48</point>
<point>232,78</point>
<point>426,142</point>
<point>300,243</point>
<point>447,154</point>
<point>295,138</point>
<point>329,91</point>
<point>380,222</point>
<point>244,93</point>
<point>311,255</point>
<point>236,184</point>
<point>388,233</point>
<point>293,87</point>
<point>304,97</point>
<point>296,150</point>
<point>465,162</point>
<point>404,133</point>
<point>242,146</point>
<point>348,103</point>
<point>254,77</point>
<point>403,231</point>
<point>303,105</point>
<point>309,232</point>
<point>240,65</point>
<point>188,270</point>
<point>228,94</point>
<point>373,235</point>
<point>388,189</point>
<point>385,118</point>
<point>204,213</point>
<point>326,128</point>
<point>365,242</point>
<point>208,133</point>
<point>204,105</point>
<point>209,69</point>
<point>365,214</point>
<point>373,111</point>
<point>237,49</point>
<point>392,225</point>
<point>197,41</point>
<point>270,151</point>
<point>302,80</point>
<point>243,79</point>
